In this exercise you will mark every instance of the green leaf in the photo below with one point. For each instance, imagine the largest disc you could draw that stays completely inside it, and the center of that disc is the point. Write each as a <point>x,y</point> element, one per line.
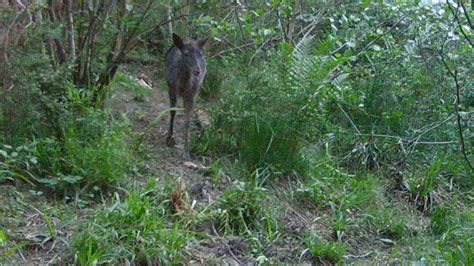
<point>376,47</point>
<point>3,239</point>
<point>34,160</point>
<point>48,181</point>
<point>71,179</point>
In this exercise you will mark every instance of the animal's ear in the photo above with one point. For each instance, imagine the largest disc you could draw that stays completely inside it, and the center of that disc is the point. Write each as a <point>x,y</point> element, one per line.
<point>202,43</point>
<point>177,41</point>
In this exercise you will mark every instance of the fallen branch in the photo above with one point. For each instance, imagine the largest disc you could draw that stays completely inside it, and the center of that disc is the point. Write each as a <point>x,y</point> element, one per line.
<point>225,244</point>
<point>141,60</point>
<point>428,130</point>
<point>408,140</point>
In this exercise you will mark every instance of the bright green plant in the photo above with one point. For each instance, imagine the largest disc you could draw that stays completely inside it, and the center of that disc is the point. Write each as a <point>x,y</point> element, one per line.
<point>325,251</point>
<point>266,121</point>
<point>137,229</point>
<point>241,210</point>
<point>17,163</point>
<point>90,153</point>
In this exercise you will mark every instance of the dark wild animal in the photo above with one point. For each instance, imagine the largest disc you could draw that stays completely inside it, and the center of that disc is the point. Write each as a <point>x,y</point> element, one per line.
<point>185,71</point>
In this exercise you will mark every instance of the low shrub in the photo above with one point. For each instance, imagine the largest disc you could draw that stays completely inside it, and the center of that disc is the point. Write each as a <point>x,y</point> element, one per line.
<point>90,153</point>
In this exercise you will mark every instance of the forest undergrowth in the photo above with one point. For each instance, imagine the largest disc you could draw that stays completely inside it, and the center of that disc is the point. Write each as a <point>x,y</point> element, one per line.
<point>325,133</point>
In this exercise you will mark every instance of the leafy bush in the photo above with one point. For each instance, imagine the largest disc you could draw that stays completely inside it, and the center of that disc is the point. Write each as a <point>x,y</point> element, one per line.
<point>17,163</point>
<point>92,152</point>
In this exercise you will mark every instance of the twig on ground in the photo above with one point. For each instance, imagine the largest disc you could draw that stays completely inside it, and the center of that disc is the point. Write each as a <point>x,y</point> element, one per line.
<point>408,140</point>
<point>358,256</point>
<point>19,251</point>
<point>225,244</point>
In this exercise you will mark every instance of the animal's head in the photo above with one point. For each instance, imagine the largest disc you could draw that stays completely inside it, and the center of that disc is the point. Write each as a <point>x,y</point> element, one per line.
<point>192,54</point>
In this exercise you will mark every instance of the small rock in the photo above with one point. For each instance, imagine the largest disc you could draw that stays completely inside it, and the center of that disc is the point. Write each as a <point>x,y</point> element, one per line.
<point>203,117</point>
<point>144,84</point>
<point>192,165</point>
<point>238,244</point>
<point>387,241</point>
<point>196,189</point>
<point>146,79</point>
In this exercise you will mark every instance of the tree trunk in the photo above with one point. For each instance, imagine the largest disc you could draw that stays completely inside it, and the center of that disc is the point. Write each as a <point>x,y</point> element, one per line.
<point>113,59</point>
<point>3,58</point>
<point>70,31</point>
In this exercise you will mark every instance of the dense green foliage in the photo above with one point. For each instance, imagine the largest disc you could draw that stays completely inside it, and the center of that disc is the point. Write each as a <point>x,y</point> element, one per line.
<point>335,128</point>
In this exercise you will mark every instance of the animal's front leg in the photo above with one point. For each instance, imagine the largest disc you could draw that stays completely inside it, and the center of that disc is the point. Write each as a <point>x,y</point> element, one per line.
<point>188,106</point>
<point>173,99</point>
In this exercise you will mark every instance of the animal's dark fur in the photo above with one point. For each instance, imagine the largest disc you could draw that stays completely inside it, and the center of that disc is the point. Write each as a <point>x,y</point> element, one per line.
<point>185,71</point>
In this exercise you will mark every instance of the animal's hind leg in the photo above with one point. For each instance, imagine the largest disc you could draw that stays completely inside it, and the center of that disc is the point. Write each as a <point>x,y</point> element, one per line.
<point>173,99</point>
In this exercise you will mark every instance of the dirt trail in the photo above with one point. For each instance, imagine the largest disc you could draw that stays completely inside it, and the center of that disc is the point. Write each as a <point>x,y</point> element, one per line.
<point>165,160</point>
<point>168,161</point>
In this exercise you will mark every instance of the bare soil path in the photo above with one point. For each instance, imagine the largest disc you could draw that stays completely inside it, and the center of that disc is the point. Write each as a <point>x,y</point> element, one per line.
<point>168,162</point>
<point>164,160</point>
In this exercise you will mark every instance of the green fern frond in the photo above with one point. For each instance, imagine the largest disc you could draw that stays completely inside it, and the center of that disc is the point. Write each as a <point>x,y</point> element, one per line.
<point>312,63</point>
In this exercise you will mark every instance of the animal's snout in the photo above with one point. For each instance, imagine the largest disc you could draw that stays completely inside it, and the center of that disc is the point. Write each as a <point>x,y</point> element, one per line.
<point>197,72</point>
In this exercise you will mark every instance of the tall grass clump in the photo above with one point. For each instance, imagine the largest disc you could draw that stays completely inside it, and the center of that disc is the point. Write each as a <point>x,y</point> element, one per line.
<point>136,230</point>
<point>242,210</point>
<point>267,116</point>
<point>325,251</point>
